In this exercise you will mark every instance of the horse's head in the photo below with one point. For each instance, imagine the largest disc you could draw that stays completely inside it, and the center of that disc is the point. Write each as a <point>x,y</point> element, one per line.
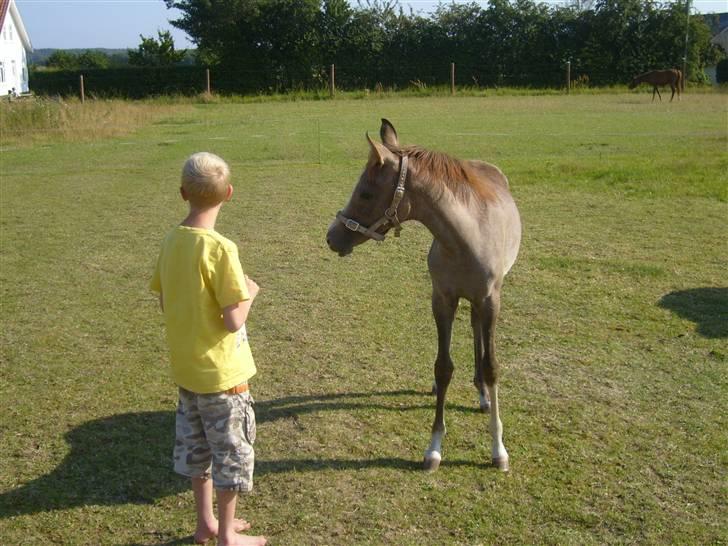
<point>634,83</point>
<point>376,205</point>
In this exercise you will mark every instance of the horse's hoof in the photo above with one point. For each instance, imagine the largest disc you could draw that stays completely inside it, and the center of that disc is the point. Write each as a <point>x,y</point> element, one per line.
<point>432,461</point>
<point>484,404</point>
<point>501,463</point>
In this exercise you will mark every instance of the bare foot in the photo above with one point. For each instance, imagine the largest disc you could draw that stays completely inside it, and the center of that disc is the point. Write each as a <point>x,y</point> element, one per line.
<point>205,533</point>
<point>243,540</point>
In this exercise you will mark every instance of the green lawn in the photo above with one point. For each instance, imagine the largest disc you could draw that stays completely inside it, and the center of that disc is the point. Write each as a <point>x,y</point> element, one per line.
<point>613,336</point>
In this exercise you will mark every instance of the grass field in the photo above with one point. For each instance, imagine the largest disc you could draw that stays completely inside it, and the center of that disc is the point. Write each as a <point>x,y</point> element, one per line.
<point>613,336</point>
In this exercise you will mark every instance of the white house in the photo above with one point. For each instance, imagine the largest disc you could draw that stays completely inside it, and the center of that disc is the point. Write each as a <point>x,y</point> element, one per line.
<point>14,48</point>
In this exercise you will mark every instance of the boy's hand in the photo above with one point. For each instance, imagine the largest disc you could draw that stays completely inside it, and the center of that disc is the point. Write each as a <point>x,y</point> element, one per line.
<point>253,287</point>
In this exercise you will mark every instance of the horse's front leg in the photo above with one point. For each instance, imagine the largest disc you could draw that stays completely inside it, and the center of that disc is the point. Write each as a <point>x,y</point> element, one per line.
<point>488,314</point>
<point>479,355</point>
<point>443,309</point>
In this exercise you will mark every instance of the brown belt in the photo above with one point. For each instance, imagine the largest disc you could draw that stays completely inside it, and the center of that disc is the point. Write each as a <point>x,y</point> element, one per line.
<point>237,389</point>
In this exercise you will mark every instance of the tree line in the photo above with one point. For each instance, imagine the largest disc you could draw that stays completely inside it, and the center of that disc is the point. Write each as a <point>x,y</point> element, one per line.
<point>510,42</point>
<point>151,51</point>
<point>278,45</point>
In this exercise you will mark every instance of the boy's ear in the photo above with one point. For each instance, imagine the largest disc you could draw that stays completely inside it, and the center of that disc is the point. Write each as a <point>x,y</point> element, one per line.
<point>183,193</point>
<point>229,194</point>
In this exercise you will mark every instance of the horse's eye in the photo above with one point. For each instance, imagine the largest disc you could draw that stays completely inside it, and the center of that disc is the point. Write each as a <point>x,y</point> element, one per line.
<point>365,195</point>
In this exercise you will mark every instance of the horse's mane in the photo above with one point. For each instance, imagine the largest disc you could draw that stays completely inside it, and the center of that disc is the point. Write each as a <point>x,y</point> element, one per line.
<point>442,172</point>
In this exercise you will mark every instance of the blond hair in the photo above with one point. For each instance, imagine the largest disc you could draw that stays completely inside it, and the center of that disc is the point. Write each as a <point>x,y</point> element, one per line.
<point>205,179</point>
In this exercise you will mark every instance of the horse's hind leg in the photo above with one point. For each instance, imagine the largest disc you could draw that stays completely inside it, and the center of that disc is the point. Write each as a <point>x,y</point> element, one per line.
<point>443,309</point>
<point>672,86</point>
<point>488,313</point>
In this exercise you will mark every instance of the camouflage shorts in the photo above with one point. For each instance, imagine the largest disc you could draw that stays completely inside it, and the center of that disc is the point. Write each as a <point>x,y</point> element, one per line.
<point>215,436</point>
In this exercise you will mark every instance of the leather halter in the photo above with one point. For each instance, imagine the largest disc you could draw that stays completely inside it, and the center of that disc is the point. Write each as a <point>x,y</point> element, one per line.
<point>390,215</point>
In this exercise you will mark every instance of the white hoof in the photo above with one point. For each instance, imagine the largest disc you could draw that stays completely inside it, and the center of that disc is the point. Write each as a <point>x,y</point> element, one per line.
<point>432,460</point>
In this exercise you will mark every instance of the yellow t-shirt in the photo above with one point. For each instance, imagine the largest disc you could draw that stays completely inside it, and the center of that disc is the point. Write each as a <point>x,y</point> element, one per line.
<point>198,274</point>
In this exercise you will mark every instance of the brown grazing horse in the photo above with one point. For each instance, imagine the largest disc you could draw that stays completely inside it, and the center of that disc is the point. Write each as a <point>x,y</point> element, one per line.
<point>672,77</point>
<point>469,210</point>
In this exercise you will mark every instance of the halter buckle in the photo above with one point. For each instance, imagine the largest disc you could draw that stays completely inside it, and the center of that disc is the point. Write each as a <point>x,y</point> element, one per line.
<point>353,225</point>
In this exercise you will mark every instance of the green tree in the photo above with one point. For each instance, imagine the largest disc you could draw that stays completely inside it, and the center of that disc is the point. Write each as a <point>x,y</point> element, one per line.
<point>93,59</point>
<point>156,52</point>
<point>281,43</point>
<point>62,60</point>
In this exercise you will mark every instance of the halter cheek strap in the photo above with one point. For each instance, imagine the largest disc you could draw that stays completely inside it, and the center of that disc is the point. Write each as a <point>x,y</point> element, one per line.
<point>390,215</point>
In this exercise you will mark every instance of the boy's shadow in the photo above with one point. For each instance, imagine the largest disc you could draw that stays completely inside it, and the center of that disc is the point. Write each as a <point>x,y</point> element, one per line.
<point>706,307</point>
<point>126,459</point>
<point>122,459</point>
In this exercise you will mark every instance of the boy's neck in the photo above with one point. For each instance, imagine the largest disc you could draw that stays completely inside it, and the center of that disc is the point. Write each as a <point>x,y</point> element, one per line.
<point>202,218</point>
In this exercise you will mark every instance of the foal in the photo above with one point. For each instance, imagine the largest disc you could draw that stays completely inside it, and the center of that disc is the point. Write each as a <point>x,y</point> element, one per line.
<point>467,207</point>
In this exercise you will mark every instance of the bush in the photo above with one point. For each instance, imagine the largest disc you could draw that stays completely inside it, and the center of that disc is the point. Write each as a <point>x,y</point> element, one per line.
<point>131,82</point>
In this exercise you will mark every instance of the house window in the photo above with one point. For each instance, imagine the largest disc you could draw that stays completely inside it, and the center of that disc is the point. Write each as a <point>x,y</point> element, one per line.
<point>2,72</point>
<point>10,30</point>
<point>15,70</point>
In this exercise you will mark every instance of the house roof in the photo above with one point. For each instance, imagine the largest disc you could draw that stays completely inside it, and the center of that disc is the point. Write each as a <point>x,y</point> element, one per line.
<point>4,5</point>
<point>8,6</point>
<point>721,39</point>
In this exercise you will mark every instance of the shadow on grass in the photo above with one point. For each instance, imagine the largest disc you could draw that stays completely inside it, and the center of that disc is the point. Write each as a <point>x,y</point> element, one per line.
<point>127,458</point>
<point>123,459</point>
<point>706,307</point>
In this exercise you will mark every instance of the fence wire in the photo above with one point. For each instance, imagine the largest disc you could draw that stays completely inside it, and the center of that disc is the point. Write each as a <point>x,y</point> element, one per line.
<point>193,80</point>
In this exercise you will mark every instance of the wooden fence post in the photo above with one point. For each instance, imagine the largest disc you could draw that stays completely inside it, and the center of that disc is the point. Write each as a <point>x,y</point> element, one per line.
<point>568,77</point>
<point>81,89</point>
<point>452,78</point>
<point>207,81</point>
<point>332,81</point>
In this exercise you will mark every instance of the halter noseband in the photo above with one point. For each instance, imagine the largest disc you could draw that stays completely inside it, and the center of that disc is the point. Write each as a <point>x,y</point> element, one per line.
<point>390,215</point>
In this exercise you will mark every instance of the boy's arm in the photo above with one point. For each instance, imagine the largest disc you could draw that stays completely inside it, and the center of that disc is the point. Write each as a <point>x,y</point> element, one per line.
<point>236,314</point>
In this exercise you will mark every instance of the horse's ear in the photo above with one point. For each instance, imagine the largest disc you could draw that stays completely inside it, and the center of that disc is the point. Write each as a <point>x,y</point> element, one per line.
<point>389,135</point>
<point>379,154</point>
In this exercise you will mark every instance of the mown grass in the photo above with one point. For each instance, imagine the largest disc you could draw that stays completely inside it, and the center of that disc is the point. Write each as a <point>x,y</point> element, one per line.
<point>612,336</point>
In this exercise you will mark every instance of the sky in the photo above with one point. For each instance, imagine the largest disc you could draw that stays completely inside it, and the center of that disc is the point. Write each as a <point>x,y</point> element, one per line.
<point>86,24</point>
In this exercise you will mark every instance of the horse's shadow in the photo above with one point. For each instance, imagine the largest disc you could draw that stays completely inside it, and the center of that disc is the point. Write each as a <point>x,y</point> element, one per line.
<point>126,459</point>
<point>706,307</point>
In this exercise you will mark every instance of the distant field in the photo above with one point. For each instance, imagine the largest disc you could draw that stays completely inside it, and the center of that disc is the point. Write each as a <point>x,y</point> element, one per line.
<point>613,336</point>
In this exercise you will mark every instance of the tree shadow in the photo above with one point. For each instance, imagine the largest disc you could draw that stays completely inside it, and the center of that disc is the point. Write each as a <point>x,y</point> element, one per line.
<point>706,307</point>
<point>126,459</point>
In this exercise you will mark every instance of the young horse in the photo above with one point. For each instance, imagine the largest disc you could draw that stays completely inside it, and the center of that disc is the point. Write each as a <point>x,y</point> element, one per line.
<point>476,227</point>
<point>672,77</point>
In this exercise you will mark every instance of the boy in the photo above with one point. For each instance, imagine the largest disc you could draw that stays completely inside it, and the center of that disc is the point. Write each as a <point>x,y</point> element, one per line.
<point>206,298</point>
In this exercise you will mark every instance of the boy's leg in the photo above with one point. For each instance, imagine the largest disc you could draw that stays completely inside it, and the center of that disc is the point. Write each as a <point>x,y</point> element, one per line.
<point>230,431</point>
<point>207,524</point>
<point>228,534</point>
<point>192,458</point>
